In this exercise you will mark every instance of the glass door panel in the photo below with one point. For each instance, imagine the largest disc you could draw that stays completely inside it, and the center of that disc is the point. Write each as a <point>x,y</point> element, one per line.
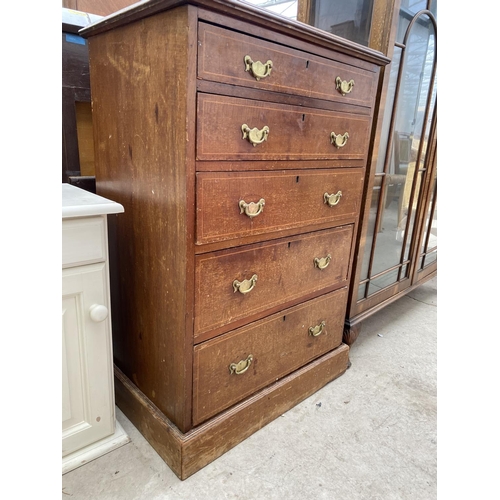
<point>402,164</point>
<point>407,11</point>
<point>372,219</point>
<point>409,212</point>
<point>389,106</point>
<point>392,221</point>
<point>349,20</point>
<point>429,240</point>
<point>383,281</point>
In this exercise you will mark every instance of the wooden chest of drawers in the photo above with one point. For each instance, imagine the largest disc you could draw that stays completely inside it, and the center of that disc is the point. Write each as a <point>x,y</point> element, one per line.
<point>236,141</point>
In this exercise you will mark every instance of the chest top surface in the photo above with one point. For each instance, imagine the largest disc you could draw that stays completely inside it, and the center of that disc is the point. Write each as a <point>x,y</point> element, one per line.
<point>241,10</point>
<point>77,202</point>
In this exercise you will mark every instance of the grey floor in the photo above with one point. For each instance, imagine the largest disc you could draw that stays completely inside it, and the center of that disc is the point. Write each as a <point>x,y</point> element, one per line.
<point>371,434</point>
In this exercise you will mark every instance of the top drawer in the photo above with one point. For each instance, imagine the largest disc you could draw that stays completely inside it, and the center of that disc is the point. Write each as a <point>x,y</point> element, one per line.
<point>229,57</point>
<point>83,241</point>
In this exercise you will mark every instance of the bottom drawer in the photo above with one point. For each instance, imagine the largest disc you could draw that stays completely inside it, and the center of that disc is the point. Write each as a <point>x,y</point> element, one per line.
<point>235,365</point>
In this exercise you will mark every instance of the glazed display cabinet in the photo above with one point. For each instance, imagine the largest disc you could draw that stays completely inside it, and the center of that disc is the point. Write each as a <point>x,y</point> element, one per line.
<point>397,244</point>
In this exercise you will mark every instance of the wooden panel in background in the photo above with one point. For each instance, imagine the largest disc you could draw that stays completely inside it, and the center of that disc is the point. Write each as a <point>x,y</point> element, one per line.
<point>85,138</point>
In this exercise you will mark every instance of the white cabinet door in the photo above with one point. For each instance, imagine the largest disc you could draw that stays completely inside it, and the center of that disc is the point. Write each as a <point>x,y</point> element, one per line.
<point>88,410</point>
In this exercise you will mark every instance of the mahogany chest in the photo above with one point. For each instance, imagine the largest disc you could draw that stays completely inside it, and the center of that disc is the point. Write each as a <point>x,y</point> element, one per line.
<point>236,141</point>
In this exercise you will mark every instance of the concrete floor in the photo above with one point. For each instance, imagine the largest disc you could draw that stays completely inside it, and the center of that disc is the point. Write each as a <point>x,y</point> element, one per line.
<point>371,434</point>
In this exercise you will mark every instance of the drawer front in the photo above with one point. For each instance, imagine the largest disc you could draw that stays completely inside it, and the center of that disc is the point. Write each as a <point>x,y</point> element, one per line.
<point>235,205</point>
<point>251,280</point>
<point>83,241</point>
<point>277,345</point>
<point>229,57</point>
<point>231,128</point>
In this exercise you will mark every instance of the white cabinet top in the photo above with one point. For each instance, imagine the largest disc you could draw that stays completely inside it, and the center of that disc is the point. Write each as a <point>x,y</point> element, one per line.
<point>77,202</point>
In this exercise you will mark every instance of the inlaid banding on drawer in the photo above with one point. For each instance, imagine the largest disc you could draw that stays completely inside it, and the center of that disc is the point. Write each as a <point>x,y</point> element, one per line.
<point>291,132</point>
<point>269,349</point>
<point>222,54</point>
<point>236,205</point>
<point>277,272</point>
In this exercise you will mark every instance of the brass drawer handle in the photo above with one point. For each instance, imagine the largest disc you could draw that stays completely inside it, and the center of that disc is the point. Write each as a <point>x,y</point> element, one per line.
<point>317,330</point>
<point>242,366</point>
<point>332,199</point>
<point>254,135</point>
<point>343,86</point>
<point>257,69</point>
<point>339,140</point>
<point>245,286</point>
<point>323,262</point>
<point>252,209</point>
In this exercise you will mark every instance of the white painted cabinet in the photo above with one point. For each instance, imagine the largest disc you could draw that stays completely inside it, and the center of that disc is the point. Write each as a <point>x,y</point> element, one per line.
<point>89,427</point>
